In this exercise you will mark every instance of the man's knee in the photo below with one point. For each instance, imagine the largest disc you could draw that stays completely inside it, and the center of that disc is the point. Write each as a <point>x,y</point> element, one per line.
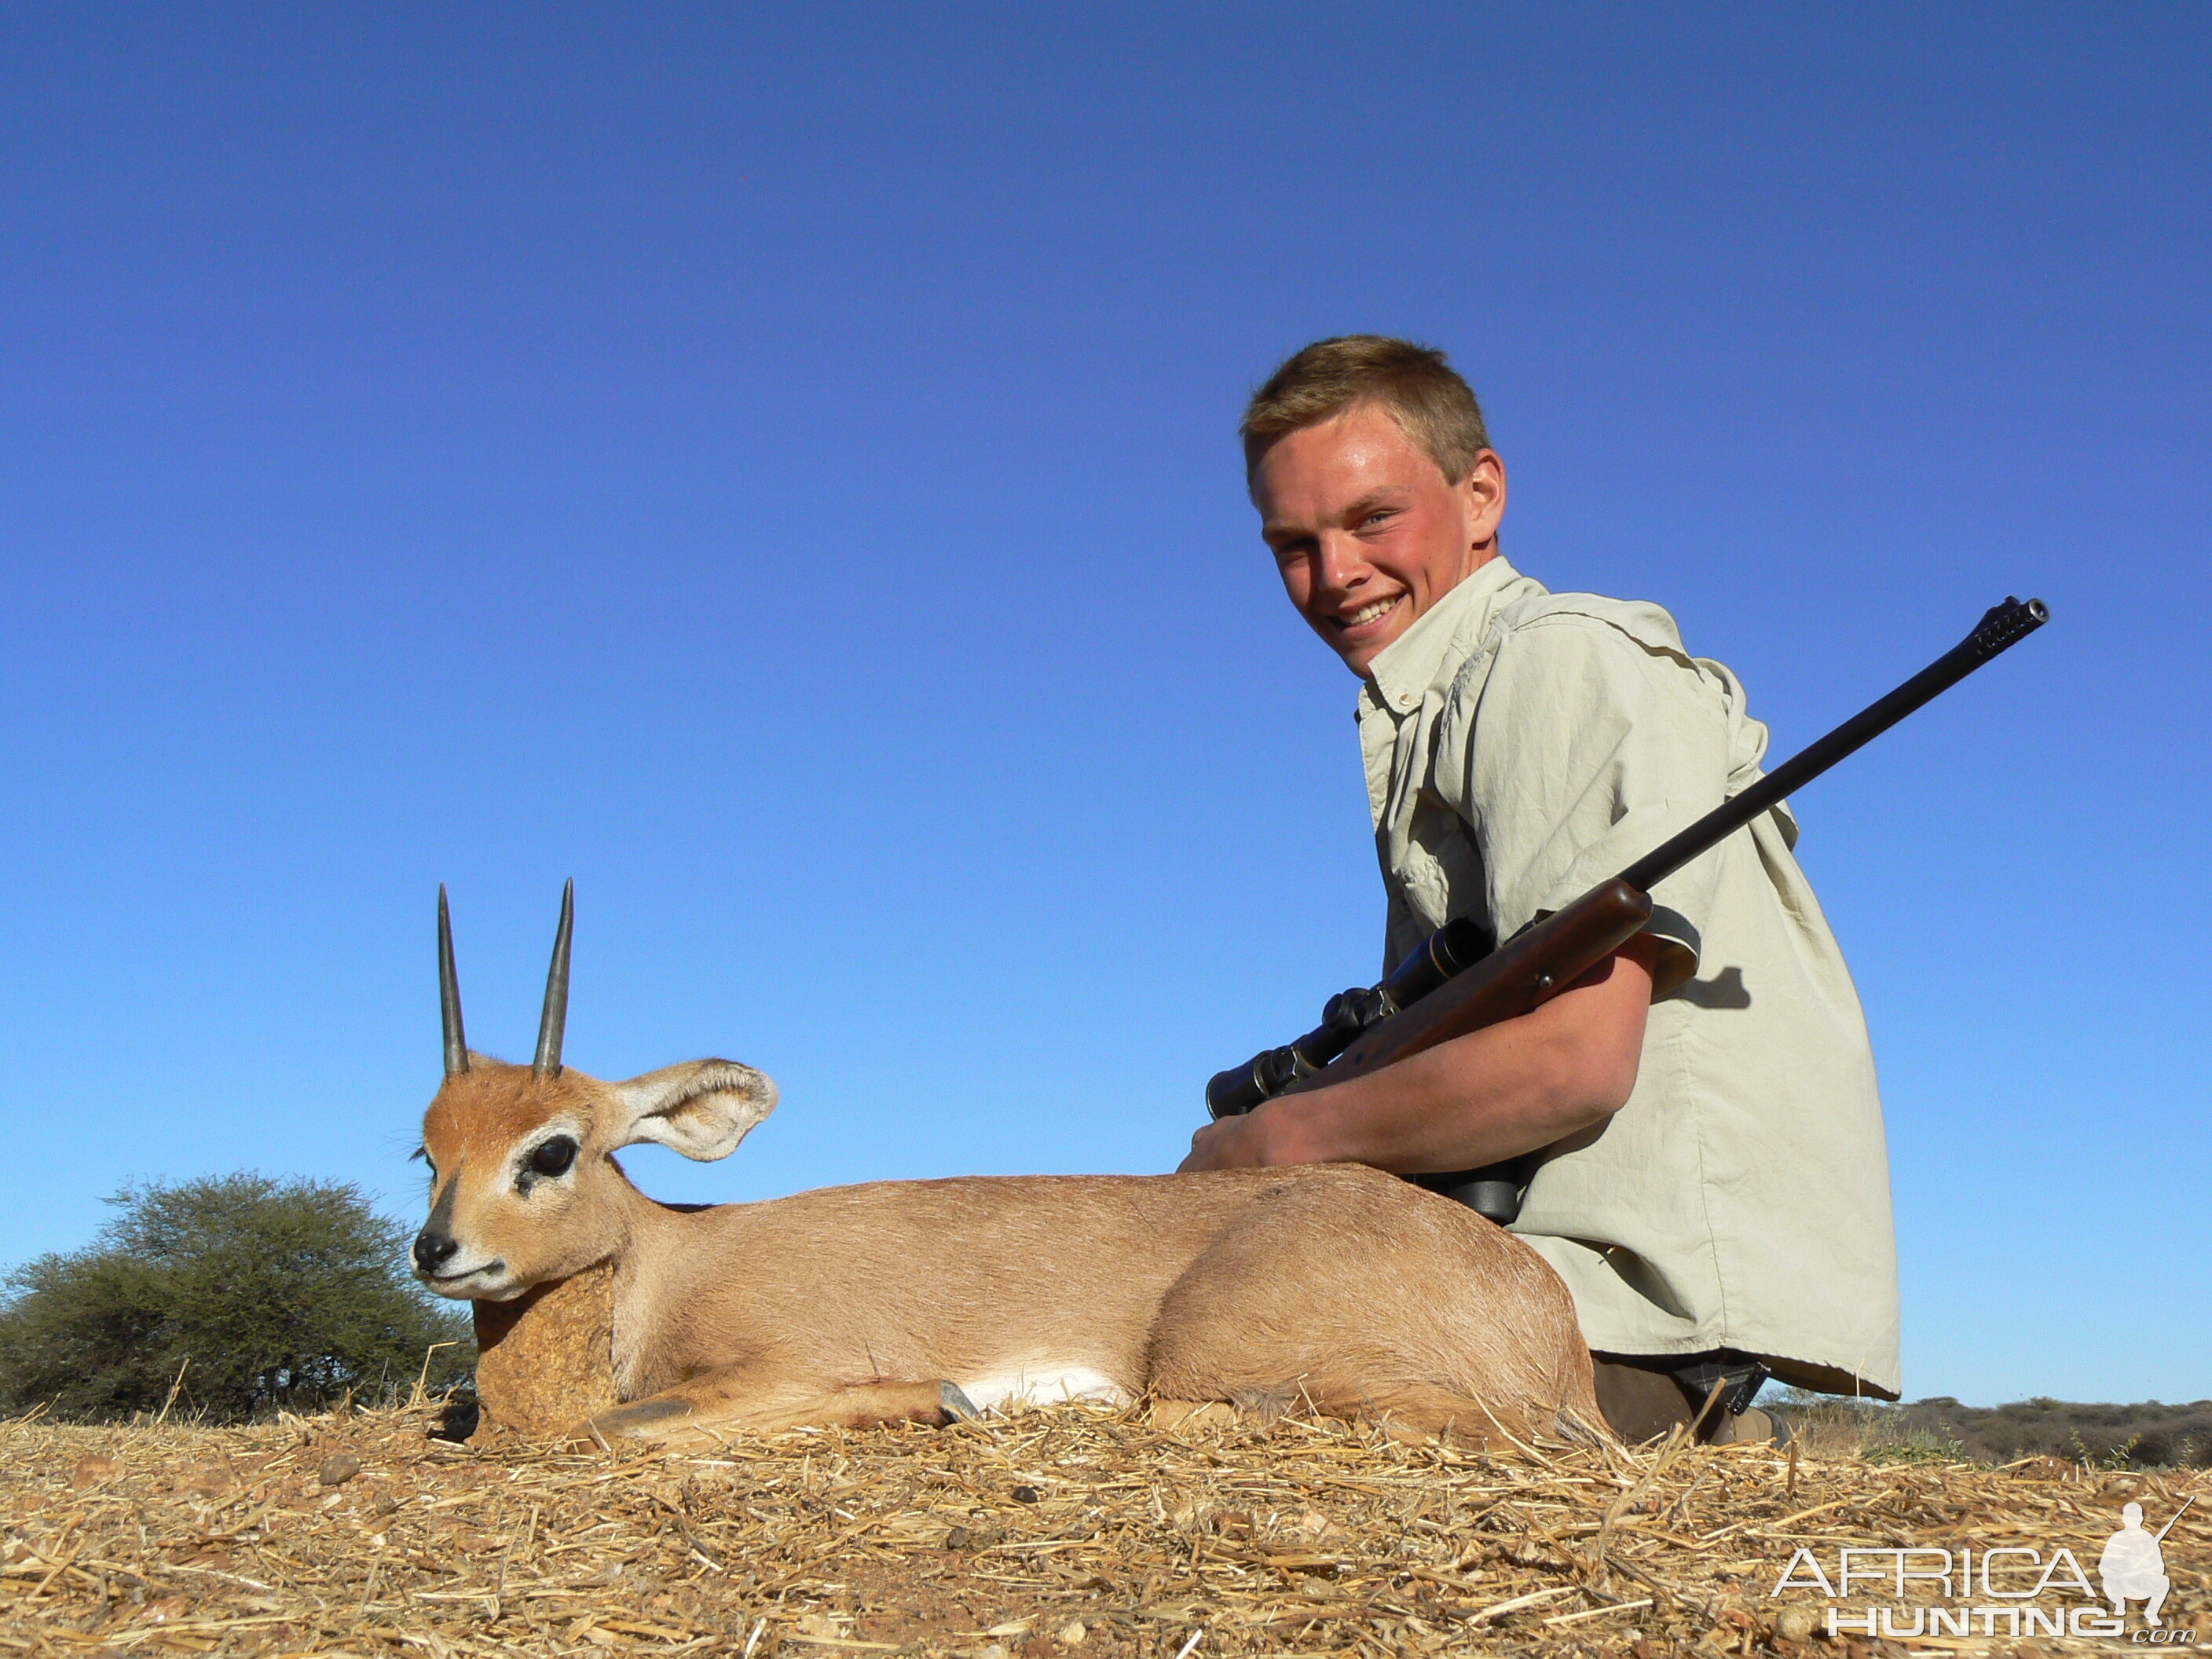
<point>1642,1397</point>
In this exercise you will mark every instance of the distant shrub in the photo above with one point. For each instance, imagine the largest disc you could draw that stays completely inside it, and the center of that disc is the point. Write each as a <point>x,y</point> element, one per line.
<point>2150,1434</point>
<point>266,1292</point>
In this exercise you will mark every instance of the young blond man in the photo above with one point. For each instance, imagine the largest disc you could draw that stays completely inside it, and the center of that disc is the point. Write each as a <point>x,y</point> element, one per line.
<point>1709,1172</point>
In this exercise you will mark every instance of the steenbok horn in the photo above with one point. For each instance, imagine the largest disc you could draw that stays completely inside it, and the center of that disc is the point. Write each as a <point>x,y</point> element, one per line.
<point>449,993</point>
<point>554,1020</point>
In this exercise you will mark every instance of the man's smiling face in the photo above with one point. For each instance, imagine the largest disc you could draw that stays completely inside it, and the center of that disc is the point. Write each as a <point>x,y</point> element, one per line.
<point>1367,531</point>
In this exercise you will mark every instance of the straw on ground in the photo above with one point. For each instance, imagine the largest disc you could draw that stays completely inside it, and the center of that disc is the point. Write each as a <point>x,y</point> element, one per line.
<point>1071,1530</point>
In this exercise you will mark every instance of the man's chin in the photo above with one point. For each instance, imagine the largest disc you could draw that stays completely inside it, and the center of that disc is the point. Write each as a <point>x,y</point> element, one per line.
<point>1359,647</point>
<point>1360,658</point>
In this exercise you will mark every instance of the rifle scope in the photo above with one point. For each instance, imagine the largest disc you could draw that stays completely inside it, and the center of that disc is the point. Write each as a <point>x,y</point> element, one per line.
<point>1453,947</point>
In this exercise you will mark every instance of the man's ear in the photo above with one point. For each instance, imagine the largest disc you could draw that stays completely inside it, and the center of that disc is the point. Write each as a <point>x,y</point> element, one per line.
<point>702,1108</point>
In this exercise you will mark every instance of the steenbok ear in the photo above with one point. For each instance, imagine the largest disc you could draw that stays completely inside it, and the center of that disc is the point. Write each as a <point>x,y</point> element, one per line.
<point>702,1108</point>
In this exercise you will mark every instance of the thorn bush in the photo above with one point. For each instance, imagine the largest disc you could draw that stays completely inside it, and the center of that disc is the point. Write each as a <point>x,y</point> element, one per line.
<point>264,1292</point>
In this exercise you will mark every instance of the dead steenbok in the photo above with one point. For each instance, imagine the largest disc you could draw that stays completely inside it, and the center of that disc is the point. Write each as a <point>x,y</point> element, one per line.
<point>1332,1286</point>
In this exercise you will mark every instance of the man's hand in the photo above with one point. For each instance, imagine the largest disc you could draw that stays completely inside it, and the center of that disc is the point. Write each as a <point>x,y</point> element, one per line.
<point>1491,1095</point>
<point>1230,1143</point>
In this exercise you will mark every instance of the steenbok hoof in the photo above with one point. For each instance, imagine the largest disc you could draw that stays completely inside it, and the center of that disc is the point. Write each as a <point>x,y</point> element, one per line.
<point>957,1405</point>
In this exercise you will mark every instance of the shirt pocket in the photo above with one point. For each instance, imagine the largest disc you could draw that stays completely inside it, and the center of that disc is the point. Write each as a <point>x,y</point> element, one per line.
<point>1440,870</point>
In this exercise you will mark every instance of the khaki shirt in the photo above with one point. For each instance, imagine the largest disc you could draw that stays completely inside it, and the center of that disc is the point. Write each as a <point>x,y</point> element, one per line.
<point>1523,746</point>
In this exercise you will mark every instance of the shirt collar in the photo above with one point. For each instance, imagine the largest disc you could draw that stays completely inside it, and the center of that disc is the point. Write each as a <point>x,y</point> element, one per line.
<point>1404,669</point>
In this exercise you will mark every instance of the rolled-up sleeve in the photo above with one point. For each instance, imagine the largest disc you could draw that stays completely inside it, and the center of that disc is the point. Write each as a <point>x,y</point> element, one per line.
<point>1585,747</point>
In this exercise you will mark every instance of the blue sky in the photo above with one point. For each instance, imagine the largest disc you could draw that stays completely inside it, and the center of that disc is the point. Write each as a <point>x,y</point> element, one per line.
<point>777,466</point>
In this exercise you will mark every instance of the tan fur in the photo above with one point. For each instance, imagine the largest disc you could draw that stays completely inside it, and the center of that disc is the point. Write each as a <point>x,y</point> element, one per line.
<point>1334,1287</point>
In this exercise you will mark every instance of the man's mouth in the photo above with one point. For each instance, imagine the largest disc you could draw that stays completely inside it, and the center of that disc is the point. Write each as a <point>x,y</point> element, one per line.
<point>1373,610</point>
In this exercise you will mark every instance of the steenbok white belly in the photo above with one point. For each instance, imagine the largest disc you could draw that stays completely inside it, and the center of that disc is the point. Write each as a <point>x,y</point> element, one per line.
<point>1042,1382</point>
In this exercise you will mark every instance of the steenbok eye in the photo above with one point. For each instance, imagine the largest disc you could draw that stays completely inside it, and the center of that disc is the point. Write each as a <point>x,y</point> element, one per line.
<point>553,1157</point>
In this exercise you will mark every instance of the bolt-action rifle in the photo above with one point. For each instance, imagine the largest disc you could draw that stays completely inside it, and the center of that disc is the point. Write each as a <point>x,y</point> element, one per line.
<point>1456,982</point>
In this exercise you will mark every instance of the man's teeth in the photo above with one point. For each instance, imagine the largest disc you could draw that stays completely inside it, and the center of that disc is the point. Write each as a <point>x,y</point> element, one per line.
<point>1368,613</point>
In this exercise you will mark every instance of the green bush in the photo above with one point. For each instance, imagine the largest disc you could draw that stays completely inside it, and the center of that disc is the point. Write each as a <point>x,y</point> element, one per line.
<point>264,1292</point>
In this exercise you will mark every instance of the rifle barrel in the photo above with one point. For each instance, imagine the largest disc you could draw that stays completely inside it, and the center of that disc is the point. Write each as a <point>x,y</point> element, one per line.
<point>2001,628</point>
<point>2177,1516</point>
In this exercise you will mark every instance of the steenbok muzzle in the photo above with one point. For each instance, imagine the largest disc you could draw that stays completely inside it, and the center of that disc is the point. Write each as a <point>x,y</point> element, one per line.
<point>1333,1287</point>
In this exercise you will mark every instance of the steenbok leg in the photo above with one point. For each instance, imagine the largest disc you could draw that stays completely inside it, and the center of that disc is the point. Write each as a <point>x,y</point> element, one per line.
<point>1356,1295</point>
<point>695,1410</point>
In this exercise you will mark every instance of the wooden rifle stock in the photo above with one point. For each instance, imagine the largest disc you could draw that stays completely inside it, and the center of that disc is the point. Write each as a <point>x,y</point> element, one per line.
<point>1519,976</point>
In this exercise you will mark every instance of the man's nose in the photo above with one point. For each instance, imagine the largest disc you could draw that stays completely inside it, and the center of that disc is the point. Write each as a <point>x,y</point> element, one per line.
<point>1337,566</point>
<point>432,1249</point>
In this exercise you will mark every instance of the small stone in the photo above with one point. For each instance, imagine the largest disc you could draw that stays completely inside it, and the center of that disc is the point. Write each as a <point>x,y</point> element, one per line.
<point>995,1651</point>
<point>959,1538</point>
<point>93,1468</point>
<point>338,1469</point>
<point>1027,1495</point>
<point>1071,1634</point>
<point>1795,1623</point>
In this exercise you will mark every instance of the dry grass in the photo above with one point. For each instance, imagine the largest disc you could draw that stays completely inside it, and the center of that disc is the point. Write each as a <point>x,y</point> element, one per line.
<point>1830,1428</point>
<point>1074,1530</point>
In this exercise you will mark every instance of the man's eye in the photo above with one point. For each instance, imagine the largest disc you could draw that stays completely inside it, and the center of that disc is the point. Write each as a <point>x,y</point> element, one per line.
<point>553,1157</point>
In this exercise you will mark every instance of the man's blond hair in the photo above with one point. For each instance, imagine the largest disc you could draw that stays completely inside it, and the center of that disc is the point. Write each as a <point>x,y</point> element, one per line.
<point>1416,384</point>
